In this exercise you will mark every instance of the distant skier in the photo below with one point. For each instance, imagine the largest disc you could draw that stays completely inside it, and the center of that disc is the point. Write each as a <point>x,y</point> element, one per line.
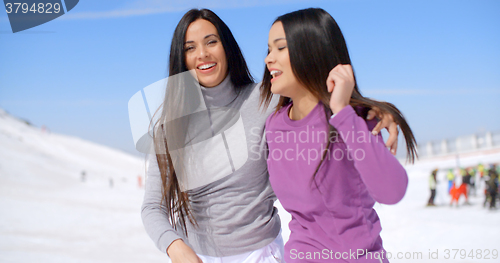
<point>480,169</point>
<point>466,179</point>
<point>492,187</point>
<point>472,189</point>
<point>455,191</point>
<point>432,186</point>
<point>451,177</point>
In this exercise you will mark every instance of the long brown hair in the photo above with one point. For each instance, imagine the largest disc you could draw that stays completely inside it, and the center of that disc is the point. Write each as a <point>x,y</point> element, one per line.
<point>315,46</point>
<point>170,134</point>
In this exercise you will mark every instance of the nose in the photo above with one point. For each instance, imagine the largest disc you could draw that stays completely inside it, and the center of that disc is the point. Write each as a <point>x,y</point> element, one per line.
<point>203,52</point>
<point>269,58</point>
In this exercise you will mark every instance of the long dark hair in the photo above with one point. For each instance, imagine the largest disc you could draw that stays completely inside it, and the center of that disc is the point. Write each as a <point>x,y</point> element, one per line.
<point>236,64</point>
<point>315,46</point>
<point>168,134</point>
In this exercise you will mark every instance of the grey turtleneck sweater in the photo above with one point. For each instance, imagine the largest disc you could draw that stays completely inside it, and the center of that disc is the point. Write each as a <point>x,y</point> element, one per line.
<point>232,200</point>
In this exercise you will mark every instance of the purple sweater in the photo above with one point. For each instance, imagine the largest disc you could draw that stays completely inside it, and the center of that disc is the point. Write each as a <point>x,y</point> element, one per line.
<point>335,220</point>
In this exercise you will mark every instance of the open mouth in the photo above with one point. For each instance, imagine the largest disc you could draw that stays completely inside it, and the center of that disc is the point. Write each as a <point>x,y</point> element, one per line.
<point>207,66</point>
<point>275,74</point>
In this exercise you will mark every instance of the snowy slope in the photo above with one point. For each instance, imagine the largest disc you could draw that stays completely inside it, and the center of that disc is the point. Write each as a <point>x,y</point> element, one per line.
<point>49,215</point>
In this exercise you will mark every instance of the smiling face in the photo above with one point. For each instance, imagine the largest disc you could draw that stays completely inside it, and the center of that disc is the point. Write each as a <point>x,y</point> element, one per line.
<point>283,80</point>
<point>204,53</point>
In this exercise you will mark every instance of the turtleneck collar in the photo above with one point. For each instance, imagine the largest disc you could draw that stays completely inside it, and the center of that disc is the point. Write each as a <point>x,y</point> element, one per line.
<point>220,95</point>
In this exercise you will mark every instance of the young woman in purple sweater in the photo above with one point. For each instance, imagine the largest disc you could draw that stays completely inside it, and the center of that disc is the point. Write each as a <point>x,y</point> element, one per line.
<point>325,166</point>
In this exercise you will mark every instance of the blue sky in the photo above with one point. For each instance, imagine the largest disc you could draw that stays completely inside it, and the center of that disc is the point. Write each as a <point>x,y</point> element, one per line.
<point>438,61</point>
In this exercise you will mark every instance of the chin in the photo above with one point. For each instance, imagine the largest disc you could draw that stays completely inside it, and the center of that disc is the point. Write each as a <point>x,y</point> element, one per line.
<point>207,83</point>
<point>211,81</point>
<point>276,89</point>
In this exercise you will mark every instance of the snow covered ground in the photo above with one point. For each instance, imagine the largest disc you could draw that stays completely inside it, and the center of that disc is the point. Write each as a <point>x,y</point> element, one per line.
<point>48,214</point>
<point>410,226</point>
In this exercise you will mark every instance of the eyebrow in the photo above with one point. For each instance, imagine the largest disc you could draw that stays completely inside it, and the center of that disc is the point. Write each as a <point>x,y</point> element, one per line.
<point>277,39</point>
<point>207,36</point>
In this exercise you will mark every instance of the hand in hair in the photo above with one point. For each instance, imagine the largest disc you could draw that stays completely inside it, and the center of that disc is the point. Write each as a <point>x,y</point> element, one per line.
<point>340,83</point>
<point>387,122</point>
<point>179,252</point>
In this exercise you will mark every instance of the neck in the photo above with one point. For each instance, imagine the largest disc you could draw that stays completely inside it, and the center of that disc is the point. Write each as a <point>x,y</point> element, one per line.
<point>220,95</point>
<point>302,106</point>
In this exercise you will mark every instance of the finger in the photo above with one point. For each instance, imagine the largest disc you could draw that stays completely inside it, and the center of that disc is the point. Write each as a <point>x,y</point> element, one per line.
<point>337,67</point>
<point>330,83</point>
<point>346,69</point>
<point>394,147</point>
<point>371,114</point>
<point>377,113</point>
<point>377,128</point>
<point>343,72</point>
<point>383,122</point>
<point>330,80</point>
<point>392,142</point>
<point>380,115</point>
<point>337,77</point>
<point>340,68</point>
<point>333,78</point>
<point>349,70</point>
<point>386,120</point>
<point>393,134</point>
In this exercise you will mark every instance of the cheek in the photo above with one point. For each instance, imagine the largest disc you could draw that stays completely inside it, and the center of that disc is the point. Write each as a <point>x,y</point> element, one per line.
<point>221,56</point>
<point>285,61</point>
<point>190,61</point>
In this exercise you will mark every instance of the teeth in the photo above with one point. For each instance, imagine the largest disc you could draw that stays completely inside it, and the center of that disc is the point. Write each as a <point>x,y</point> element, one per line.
<point>275,72</point>
<point>206,66</point>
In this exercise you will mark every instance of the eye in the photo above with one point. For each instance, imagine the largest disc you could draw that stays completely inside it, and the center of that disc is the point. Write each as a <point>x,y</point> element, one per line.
<point>212,42</point>
<point>188,48</point>
<point>281,48</point>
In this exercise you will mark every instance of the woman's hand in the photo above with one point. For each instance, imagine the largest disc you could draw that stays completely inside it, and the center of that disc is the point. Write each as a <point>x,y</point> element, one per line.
<point>340,83</point>
<point>179,252</point>
<point>386,121</point>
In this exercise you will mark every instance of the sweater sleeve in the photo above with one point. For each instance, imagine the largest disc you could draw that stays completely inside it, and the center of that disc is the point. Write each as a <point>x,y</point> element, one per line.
<point>385,178</point>
<point>153,212</point>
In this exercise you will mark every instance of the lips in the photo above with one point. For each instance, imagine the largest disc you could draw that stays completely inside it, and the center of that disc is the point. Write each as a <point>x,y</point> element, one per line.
<point>205,67</point>
<point>275,73</point>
